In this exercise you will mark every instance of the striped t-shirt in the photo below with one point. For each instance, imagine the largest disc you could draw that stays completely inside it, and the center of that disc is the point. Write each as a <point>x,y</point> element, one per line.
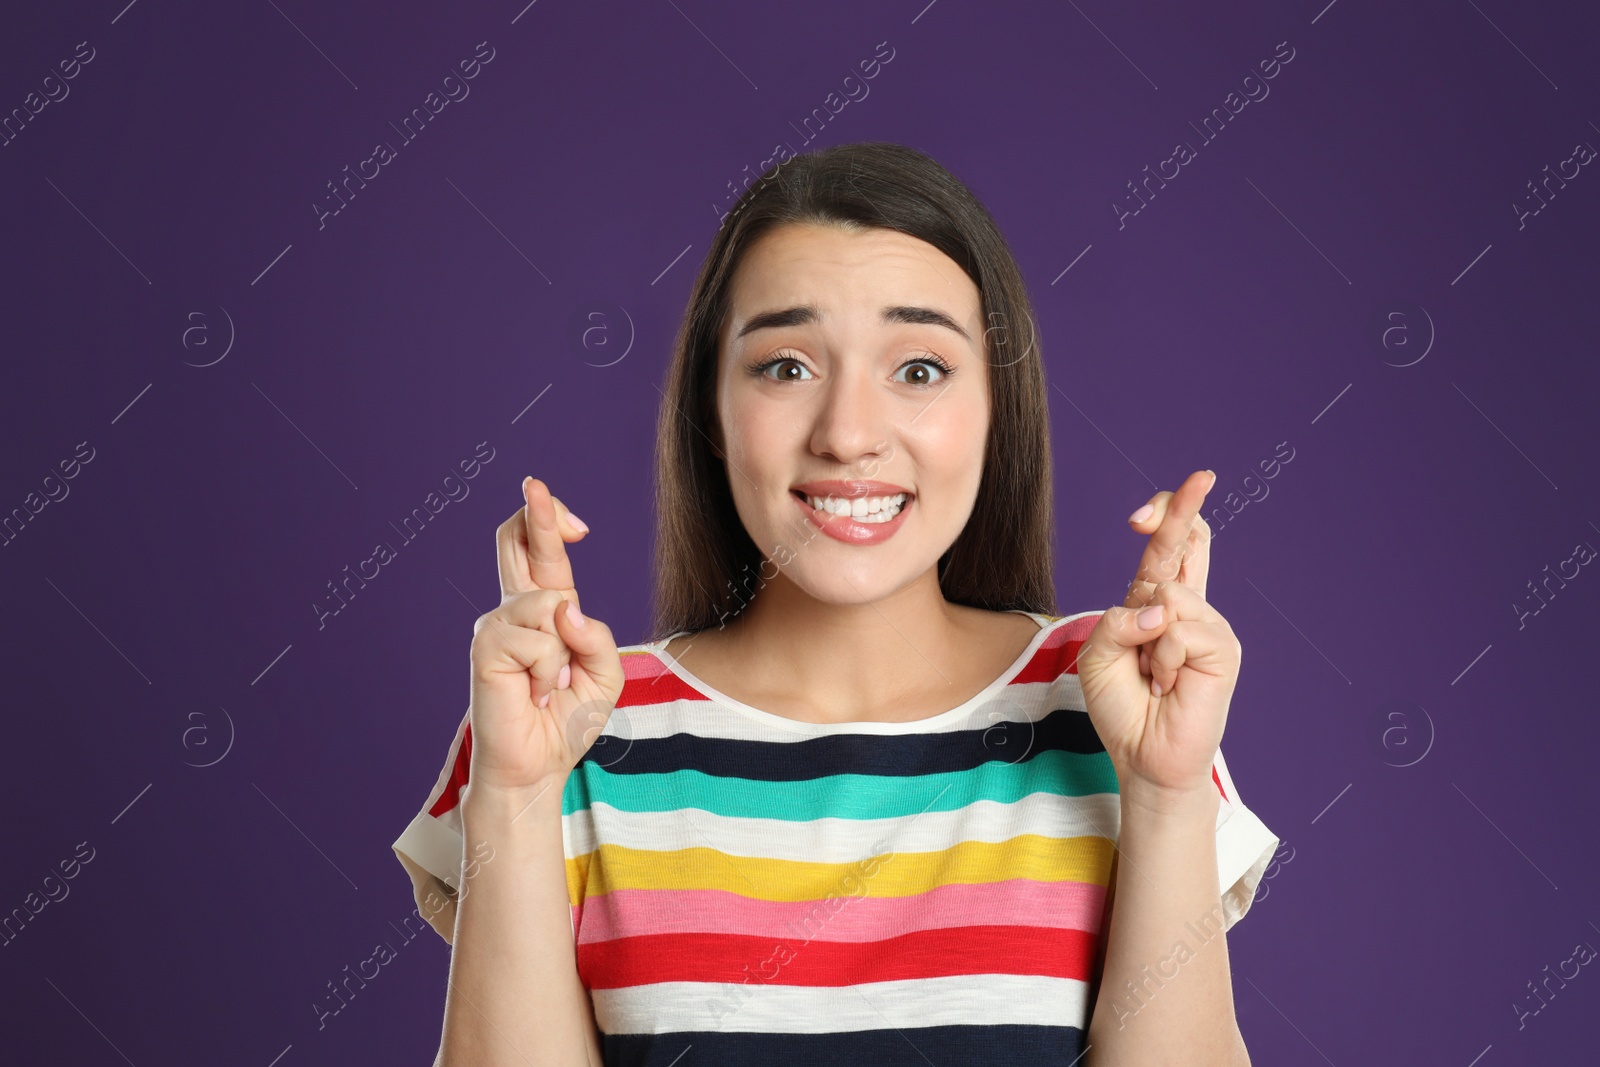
<point>755,889</point>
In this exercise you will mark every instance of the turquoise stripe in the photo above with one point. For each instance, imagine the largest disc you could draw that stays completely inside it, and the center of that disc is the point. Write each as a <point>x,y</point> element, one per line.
<point>844,796</point>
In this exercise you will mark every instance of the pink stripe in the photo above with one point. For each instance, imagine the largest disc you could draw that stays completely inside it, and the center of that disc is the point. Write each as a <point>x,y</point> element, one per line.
<point>1016,901</point>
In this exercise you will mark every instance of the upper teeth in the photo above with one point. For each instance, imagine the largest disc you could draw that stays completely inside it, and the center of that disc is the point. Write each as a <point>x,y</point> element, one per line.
<point>866,508</point>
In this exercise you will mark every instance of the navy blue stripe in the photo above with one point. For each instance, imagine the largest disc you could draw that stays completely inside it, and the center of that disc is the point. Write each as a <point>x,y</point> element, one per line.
<point>944,1046</point>
<point>894,755</point>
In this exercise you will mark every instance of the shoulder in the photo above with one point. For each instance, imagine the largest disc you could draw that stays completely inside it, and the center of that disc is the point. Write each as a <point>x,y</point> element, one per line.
<point>1056,654</point>
<point>648,679</point>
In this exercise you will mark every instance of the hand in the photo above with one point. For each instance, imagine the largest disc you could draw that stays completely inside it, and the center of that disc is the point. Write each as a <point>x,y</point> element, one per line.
<point>543,683</point>
<point>1158,697</point>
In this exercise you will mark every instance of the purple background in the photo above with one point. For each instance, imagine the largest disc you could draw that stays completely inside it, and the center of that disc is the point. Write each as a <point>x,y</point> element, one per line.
<point>1436,868</point>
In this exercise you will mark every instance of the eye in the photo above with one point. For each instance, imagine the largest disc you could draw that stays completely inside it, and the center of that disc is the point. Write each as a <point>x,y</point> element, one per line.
<point>929,369</point>
<point>788,364</point>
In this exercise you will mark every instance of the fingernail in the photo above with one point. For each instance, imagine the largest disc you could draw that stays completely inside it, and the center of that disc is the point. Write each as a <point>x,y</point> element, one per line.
<point>1213,477</point>
<point>564,677</point>
<point>578,524</point>
<point>1149,618</point>
<point>574,616</point>
<point>525,482</point>
<point>544,700</point>
<point>1142,514</point>
<point>1155,687</point>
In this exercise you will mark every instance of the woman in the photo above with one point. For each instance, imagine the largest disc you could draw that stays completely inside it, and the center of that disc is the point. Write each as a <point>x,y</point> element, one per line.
<point>863,794</point>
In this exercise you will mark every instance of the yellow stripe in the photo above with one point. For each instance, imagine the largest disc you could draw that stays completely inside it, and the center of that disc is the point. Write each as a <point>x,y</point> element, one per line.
<point>1084,859</point>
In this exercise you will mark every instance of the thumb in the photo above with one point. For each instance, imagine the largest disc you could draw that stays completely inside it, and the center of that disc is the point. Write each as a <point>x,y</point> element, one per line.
<point>593,649</point>
<point>1118,631</point>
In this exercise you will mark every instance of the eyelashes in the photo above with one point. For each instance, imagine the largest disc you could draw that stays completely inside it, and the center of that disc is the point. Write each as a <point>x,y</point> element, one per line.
<point>936,360</point>
<point>932,359</point>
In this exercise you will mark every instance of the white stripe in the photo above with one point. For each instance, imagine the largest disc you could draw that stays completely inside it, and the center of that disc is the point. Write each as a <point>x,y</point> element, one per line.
<point>834,840</point>
<point>956,1000</point>
<point>1017,702</point>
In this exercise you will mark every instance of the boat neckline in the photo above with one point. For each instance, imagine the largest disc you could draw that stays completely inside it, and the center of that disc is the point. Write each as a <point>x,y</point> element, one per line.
<point>1047,624</point>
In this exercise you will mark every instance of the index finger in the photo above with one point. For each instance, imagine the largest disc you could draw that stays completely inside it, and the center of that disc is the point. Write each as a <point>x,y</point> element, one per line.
<point>1164,554</point>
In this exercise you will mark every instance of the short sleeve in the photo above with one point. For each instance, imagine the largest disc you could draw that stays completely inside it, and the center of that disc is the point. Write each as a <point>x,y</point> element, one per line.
<point>430,848</point>
<point>1244,847</point>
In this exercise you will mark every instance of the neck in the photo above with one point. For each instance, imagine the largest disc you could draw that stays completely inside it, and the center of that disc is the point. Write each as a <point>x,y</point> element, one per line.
<point>851,660</point>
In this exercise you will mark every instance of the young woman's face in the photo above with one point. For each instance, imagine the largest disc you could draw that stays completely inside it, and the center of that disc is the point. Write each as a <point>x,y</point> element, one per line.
<point>829,372</point>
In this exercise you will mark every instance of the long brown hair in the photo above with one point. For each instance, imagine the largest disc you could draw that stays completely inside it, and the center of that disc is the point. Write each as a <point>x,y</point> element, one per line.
<point>706,565</point>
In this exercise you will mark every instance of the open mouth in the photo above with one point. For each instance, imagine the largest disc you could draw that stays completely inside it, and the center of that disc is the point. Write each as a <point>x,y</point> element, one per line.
<point>870,510</point>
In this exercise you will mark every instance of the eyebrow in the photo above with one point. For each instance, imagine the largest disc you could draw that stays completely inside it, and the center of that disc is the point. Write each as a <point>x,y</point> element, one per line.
<point>808,314</point>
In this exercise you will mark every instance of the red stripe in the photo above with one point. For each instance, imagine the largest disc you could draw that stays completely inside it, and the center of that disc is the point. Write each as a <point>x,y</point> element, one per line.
<point>659,689</point>
<point>458,776</point>
<point>1059,653</point>
<point>1048,663</point>
<point>632,961</point>
<point>1216,778</point>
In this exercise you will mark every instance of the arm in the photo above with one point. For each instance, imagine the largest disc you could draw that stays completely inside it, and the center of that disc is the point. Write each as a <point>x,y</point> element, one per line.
<point>1166,993</point>
<point>515,997</point>
<point>1157,675</point>
<point>541,674</point>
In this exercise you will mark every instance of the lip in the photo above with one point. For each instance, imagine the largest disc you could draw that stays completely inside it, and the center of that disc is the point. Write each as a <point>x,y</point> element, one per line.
<point>852,488</point>
<point>841,527</point>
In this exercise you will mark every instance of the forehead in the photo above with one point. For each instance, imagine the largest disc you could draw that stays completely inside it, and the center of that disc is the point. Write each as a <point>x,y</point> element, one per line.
<point>847,275</point>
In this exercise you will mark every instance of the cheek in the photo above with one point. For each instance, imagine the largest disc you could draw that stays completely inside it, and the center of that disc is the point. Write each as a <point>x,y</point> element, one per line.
<point>949,443</point>
<point>759,447</point>
<point>747,440</point>
<point>758,436</point>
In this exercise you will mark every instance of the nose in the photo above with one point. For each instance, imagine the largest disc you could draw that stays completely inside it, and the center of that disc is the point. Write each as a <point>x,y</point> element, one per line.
<point>852,420</point>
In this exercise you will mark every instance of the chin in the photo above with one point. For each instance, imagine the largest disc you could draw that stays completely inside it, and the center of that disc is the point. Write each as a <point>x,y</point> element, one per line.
<point>831,589</point>
<point>860,581</point>
<point>835,572</point>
